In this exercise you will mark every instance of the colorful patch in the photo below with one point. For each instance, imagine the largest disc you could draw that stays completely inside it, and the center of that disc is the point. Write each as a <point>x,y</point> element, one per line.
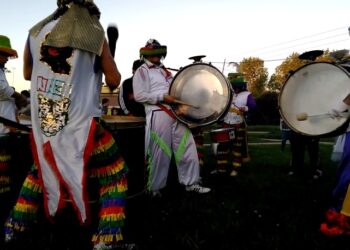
<point>53,114</point>
<point>57,58</point>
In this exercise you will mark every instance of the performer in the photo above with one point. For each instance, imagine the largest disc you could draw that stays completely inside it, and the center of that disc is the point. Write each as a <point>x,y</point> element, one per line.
<point>299,144</point>
<point>337,221</point>
<point>165,135</point>
<point>126,95</point>
<point>8,100</point>
<point>65,57</point>
<point>242,102</point>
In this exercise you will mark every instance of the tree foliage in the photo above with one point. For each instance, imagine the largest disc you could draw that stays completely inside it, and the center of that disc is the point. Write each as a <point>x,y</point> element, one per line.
<point>255,73</point>
<point>291,64</point>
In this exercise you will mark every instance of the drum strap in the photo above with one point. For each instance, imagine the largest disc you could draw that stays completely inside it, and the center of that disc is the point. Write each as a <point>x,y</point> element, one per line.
<point>167,111</point>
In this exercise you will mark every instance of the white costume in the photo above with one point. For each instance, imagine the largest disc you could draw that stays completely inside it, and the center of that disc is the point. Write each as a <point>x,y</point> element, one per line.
<point>238,101</point>
<point>62,116</point>
<point>7,103</point>
<point>164,134</point>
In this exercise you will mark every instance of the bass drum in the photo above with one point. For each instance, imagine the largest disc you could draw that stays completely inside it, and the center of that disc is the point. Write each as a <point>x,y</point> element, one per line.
<point>205,87</point>
<point>313,90</point>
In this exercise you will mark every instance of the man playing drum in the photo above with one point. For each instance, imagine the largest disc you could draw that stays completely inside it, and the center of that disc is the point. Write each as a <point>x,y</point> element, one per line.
<point>165,135</point>
<point>242,102</point>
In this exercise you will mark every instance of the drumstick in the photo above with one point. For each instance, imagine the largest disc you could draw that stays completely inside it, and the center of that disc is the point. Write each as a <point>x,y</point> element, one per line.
<point>184,103</point>
<point>304,116</point>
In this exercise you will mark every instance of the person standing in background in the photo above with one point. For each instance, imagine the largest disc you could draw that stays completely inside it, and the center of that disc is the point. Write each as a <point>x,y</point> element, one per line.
<point>126,95</point>
<point>285,134</point>
<point>237,149</point>
<point>10,101</point>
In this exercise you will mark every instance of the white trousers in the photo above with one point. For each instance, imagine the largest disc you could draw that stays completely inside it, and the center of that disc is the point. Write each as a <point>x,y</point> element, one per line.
<point>166,136</point>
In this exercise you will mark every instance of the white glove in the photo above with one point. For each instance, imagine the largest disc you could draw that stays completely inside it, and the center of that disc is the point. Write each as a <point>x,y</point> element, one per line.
<point>334,114</point>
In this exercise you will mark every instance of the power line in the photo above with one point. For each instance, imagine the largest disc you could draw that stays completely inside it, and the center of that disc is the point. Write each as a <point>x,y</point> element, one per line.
<point>298,39</point>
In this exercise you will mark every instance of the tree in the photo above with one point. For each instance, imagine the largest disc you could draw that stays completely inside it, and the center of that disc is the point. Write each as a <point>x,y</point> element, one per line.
<point>291,64</point>
<point>273,85</point>
<point>255,73</point>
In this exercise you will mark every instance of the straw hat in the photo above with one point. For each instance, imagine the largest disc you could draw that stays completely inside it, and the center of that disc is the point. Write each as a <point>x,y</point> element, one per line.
<point>5,46</point>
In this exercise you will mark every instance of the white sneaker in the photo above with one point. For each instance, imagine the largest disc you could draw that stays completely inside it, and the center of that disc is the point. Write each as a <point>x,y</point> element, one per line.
<point>233,173</point>
<point>103,246</point>
<point>317,174</point>
<point>156,194</point>
<point>198,189</point>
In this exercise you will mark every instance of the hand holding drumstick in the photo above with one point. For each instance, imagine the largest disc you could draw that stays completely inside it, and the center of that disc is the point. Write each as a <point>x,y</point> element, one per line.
<point>172,100</point>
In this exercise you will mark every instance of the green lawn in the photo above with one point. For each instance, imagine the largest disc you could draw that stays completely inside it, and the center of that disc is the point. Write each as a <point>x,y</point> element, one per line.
<point>261,208</point>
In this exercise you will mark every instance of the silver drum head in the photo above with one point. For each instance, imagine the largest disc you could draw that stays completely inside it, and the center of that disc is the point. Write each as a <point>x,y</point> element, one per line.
<point>203,86</point>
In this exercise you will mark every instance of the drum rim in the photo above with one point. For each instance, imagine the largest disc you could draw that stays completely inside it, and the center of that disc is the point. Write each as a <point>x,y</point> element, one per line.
<point>221,129</point>
<point>223,113</point>
<point>327,134</point>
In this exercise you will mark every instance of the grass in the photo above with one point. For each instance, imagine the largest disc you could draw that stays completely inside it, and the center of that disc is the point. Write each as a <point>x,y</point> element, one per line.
<point>262,208</point>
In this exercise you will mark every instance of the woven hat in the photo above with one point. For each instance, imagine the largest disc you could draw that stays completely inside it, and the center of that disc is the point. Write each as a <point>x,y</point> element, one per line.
<point>5,46</point>
<point>153,48</point>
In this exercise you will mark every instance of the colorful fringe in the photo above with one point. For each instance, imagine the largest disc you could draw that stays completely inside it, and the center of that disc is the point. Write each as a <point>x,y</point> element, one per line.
<point>24,213</point>
<point>106,166</point>
<point>113,186</point>
<point>336,224</point>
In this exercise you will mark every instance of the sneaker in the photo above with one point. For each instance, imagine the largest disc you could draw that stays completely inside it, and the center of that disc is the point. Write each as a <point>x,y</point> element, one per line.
<point>218,171</point>
<point>317,174</point>
<point>156,194</point>
<point>197,188</point>
<point>233,173</point>
<point>119,246</point>
<point>103,246</point>
<point>290,173</point>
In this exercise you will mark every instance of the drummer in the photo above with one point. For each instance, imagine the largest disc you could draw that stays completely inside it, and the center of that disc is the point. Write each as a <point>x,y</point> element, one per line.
<point>242,102</point>
<point>165,135</point>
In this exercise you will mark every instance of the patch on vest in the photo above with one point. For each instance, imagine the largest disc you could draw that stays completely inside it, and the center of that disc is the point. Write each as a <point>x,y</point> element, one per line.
<point>53,114</point>
<point>57,58</point>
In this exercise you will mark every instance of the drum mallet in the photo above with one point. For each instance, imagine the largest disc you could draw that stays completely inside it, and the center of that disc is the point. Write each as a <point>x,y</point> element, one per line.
<point>304,116</point>
<point>184,103</point>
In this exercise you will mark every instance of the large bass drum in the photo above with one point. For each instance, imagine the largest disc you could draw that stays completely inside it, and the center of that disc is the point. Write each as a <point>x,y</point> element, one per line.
<point>312,91</point>
<point>205,87</point>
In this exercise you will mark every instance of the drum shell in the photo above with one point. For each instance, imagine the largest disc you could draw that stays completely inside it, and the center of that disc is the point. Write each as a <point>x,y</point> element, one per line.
<point>129,133</point>
<point>315,88</point>
<point>203,86</point>
<point>222,135</point>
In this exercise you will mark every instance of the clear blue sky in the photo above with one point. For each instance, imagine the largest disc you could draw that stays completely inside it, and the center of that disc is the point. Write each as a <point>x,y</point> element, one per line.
<point>223,30</point>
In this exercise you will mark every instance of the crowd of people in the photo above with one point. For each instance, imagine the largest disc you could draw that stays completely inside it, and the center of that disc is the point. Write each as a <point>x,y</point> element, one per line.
<point>77,161</point>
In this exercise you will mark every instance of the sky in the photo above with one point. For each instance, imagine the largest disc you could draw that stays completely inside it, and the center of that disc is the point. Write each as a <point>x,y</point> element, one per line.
<point>222,30</point>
